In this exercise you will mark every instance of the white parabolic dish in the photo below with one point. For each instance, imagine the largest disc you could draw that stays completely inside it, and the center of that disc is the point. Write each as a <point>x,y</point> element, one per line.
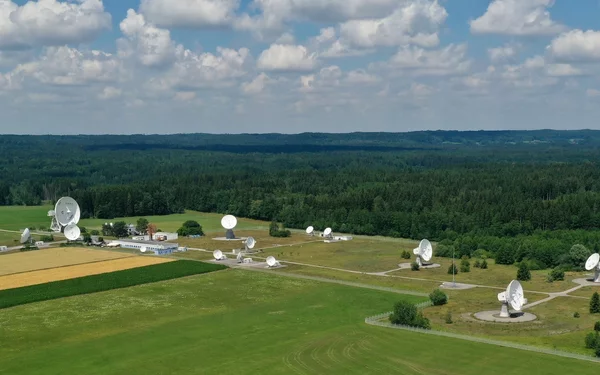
<point>72,232</point>
<point>271,261</point>
<point>25,235</point>
<point>327,231</point>
<point>143,249</point>
<point>228,221</point>
<point>592,262</point>
<point>513,295</point>
<point>67,211</point>
<point>218,254</point>
<point>250,242</point>
<point>310,229</point>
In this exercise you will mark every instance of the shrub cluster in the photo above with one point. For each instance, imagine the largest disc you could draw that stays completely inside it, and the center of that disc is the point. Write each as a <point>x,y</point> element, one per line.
<point>276,231</point>
<point>452,270</point>
<point>523,274</point>
<point>595,303</point>
<point>103,282</point>
<point>405,254</point>
<point>557,274</point>
<point>465,265</point>
<point>406,313</point>
<point>438,297</point>
<point>592,339</point>
<point>414,266</point>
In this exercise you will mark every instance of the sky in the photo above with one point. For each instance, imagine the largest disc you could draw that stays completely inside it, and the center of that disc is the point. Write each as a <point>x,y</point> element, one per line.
<point>293,66</point>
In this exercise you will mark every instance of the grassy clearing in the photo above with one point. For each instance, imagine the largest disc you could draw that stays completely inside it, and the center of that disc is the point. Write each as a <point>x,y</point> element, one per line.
<point>263,240</point>
<point>11,239</point>
<point>53,257</point>
<point>586,291</point>
<point>20,217</point>
<point>102,282</point>
<point>360,254</point>
<point>211,325</point>
<point>496,275</point>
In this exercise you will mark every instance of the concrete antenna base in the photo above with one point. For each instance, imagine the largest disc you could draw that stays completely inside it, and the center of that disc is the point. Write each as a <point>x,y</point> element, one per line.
<point>597,275</point>
<point>504,311</point>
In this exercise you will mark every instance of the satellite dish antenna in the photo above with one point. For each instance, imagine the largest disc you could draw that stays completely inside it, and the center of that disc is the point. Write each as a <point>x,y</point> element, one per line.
<point>229,222</point>
<point>310,231</point>
<point>327,232</point>
<point>240,257</point>
<point>67,211</point>
<point>25,236</point>
<point>593,263</point>
<point>424,252</point>
<point>72,232</point>
<point>513,296</point>
<point>250,243</point>
<point>143,249</point>
<point>111,224</point>
<point>272,262</point>
<point>218,255</point>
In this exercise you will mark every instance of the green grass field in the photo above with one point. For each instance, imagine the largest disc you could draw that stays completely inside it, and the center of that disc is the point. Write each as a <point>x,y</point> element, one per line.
<point>238,322</point>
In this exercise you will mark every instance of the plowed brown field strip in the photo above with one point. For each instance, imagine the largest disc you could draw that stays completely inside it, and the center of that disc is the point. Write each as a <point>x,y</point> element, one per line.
<point>70,272</point>
<point>54,257</point>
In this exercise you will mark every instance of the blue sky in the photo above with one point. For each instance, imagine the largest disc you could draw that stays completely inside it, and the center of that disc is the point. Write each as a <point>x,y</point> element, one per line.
<point>160,66</point>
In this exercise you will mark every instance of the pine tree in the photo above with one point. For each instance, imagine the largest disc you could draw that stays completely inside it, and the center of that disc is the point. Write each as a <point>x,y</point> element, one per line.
<point>523,274</point>
<point>484,265</point>
<point>452,269</point>
<point>595,303</point>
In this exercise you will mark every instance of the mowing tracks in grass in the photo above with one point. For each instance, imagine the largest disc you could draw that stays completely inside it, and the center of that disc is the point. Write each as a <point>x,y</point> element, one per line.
<point>103,282</point>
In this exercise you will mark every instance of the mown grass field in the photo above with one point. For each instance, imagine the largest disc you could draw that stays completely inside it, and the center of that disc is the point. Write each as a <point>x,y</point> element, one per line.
<point>238,322</point>
<point>105,281</point>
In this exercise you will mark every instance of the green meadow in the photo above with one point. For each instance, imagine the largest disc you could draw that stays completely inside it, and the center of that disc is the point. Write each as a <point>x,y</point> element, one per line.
<point>245,323</point>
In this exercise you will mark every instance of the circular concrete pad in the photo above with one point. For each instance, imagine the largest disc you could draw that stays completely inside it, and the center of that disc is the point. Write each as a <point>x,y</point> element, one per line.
<point>457,286</point>
<point>494,316</point>
<point>406,266</point>
<point>228,239</point>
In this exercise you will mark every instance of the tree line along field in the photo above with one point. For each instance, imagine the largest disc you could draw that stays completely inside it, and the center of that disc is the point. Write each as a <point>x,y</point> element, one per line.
<point>195,325</point>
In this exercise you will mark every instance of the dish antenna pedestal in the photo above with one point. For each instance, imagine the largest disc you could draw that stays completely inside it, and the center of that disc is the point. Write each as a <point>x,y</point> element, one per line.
<point>310,231</point>
<point>65,216</point>
<point>249,244</point>
<point>272,262</point>
<point>513,296</point>
<point>424,252</point>
<point>218,255</point>
<point>25,236</point>
<point>327,233</point>
<point>229,222</point>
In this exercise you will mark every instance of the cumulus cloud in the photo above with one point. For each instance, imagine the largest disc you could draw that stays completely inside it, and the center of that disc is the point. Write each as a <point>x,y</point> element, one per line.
<point>65,66</point>
<point>257,85</point>
<point>110,92</point>
<point>576,45</point>
<point>415,22</point>
<point>273,14</point>
<point>148,44</point>
<point>189,13</point>
<point>51,23</point>
<point>287,57</point>
<point>418,61</point>
<point>517,17</point>
<point>503,53</point>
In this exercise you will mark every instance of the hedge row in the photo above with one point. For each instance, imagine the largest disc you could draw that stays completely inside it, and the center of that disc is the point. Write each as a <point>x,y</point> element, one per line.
<point>103,282</point>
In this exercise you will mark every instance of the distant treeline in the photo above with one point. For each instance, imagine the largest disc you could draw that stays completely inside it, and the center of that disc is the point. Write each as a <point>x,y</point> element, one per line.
<point>505,197</point>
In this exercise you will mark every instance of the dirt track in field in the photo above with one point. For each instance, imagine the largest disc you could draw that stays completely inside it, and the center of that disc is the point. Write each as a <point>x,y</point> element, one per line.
<point>54,257</point>
<point>79,270</point>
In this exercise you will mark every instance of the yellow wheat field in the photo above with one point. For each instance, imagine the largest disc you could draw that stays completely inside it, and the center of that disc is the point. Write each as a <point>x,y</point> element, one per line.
<point>70,272</point>
<point>53,257</point>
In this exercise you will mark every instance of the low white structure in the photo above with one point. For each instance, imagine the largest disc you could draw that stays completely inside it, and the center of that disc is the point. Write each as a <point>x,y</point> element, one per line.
<point>39,243</point>
<point>3,248</point>
<point>159,248</point>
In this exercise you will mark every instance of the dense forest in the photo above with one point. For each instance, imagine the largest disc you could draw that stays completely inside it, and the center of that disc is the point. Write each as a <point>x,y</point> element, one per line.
<point>516,195</point>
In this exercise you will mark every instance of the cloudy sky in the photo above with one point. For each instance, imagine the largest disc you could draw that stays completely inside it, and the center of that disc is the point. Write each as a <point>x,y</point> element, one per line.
<point>232,66</point>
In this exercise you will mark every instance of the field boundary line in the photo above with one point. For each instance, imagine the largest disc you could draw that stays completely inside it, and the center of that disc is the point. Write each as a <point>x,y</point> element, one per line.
<point>376,320</point>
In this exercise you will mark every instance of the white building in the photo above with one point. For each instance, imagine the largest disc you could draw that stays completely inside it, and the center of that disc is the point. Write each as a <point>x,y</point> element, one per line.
<point>165,236</point>
<point>158,248</point>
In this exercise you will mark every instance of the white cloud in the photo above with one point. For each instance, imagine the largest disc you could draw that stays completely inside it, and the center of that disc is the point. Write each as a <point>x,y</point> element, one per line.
<point>285,38</point>
<point>185,96</point>
<point>592,93</point>
<point>419,90</point>
<point>562,70</point>
<point>446,61</point>
<point>109,92</point>
<point>65,66</point>
<point>257,85</point>
<point>193,71</point>
<point>576,45</point>
<point>415,22</point>
<point>361,77</point>
<point>51,22</point>
<point>287,57</point>
<point>189,13</point>
<point>504,53</point>
<point>329,46</point>
<point>517,17</point>
<point>273,14</point>
<point>150,45</point>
